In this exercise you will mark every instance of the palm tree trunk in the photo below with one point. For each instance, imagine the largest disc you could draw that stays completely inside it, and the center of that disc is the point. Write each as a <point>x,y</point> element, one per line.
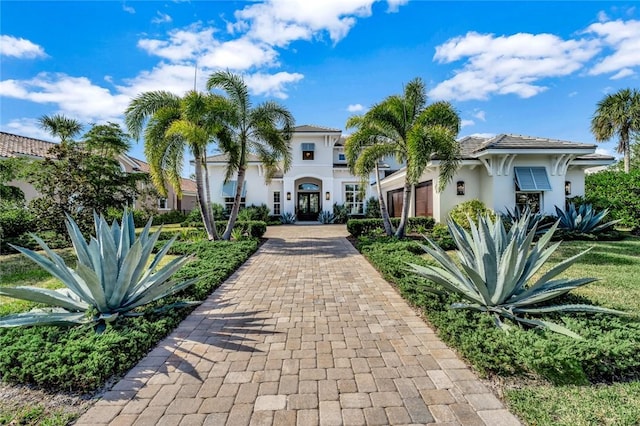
<point>627,155</point>
<point>236,204</point>
<point>386,221</point>
<point>207,199</point>
<point>400,232</point>
<point>202,199</point>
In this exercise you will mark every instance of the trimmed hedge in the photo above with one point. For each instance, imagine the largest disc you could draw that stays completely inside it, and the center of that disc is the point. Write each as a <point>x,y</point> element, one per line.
<point>359,227</point>
<point>609,351</point>
<point>78,359</point>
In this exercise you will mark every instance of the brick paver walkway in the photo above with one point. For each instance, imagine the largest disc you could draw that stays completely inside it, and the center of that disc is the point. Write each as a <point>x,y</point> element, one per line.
<point>305,333</point>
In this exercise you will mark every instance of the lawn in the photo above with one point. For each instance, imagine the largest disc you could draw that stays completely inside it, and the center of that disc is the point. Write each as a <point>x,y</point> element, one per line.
<point>550,379</point>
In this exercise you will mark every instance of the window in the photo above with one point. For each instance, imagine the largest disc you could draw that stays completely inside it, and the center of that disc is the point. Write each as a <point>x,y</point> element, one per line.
<point>353,199</point>
<point>276,203</point>
<point>424,199</point>
<point>308,187</point>
<point>532,200</point>
<point>532,179</point>
<point>341,157</point>
<point>308,151</point>
<point>395,200</point>
<point>162,203</point>
<point>229,193</point>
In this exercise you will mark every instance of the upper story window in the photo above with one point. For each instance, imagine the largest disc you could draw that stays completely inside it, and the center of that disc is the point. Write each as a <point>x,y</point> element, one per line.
<point>308,151</point>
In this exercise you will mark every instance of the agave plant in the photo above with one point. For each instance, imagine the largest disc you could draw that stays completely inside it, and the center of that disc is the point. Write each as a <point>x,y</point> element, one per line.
<point>513,216</point>
<point>287,218</point>
<point>583,219</point>
<point>326,217</point>
<point>112,278</point>
<point>496,273</point>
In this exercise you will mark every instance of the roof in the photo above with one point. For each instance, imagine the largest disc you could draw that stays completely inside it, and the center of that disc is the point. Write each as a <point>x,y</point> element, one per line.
<point>310,128</point>
<point>187,185</point>
<point>511,141</point>
<point>223,158</point>
<point>17,146</point>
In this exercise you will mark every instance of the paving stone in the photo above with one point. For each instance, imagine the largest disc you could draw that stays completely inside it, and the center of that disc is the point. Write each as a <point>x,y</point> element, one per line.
<point>442,413</point>
<point>261,418</point>
<point>355,400</point>
<point>215,419</point>
<point>284,418</point>
<point>327,390</point>
<point>330,413</point>
<point>375,416</point>
<point>466,415</point>
<point>193,420</point>
<point>220,404</point>
<point>308,417</point>
<point>386,399</point>
<point>270,402</point>
<point>498,418</point>
<point>418,411</point>
<point>184,406</point>
<point>302,401</point>
<point>240,414</point>
<point>484,401</point>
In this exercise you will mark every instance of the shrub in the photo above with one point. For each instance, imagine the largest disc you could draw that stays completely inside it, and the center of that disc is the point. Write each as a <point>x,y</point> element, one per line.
<point>252,228</point>
<point>287,218</point>
<point>470,210</point>
<point>617,191</point>
<point>15,220</point>
<point>112,277</point>
<point>372,208</point>
<point>358,227</point>
<point>583,219</point>
<point>440,235</point>
<point>254,212</point>
<point>174,216</point>
<point>194,218</point>
<point>341,213</point>
<point>326,217</point>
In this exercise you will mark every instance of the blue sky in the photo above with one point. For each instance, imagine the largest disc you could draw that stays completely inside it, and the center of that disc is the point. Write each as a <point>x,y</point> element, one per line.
<point>533,68</point>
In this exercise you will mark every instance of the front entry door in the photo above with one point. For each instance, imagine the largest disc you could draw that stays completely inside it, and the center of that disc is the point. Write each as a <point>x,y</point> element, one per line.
<point>308,205</point>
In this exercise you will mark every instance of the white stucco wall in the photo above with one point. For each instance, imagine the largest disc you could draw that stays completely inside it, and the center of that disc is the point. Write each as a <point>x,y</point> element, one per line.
<point>576,177</point>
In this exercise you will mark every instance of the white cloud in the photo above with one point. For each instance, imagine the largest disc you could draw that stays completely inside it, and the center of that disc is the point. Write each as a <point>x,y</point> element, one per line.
<point>20,48</point>
<point>128,9</point>
<point>355,108</point>
<point>394,5</point>
<point>161,18</point>
<point>602,16</point>
<point>480,115</point>
<point>240,54</point>
<point>183,44</point>
<point>482,135</point>
<point>623,37</point>
<point>608,151</point>
<point>624,72</point>
<point>465,123</point>
<point>572,94</point>
<point>271,84</point>
<point>508,64</point>
<point>175,78</point>
<point>27,127</point>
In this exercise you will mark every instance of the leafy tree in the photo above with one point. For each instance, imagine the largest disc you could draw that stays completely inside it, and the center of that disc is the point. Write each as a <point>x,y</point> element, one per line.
<point>60,126</point>
<point>108,140</point>
<point>174,123</point>
<point>618,114</point>
<point>404,126</point>
<point>264,130</point>
<point>617,191</point>
<point>9,170</point>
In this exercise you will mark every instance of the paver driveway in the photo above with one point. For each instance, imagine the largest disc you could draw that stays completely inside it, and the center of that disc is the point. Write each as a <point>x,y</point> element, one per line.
<point>306,332</point>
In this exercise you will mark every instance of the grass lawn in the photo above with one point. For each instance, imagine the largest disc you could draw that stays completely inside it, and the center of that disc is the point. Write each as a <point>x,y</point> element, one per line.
<point>550,379</point>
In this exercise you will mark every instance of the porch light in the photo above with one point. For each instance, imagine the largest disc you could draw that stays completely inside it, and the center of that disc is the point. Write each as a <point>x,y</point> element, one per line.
<point>460,187</point>
<point>288,196</point>
<point>567,187</point>
<point>327,195</point>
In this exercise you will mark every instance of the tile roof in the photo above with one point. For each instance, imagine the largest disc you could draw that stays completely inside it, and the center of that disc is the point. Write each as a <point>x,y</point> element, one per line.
<point>223,158</point>
<point>17,146</point>
<point>511,141</point>
<point>311,128</point>
<point>187,185</point>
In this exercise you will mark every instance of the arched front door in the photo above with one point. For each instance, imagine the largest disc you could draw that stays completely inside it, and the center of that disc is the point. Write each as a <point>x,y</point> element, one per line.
<point>308,206</point>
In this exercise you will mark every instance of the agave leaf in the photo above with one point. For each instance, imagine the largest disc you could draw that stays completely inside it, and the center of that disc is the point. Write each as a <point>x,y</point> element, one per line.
<point>558,269</point>
<point>479,284</point>
<point>557,328</point>
<point>44,295</point>
<point>25,319</point>
<point>158,290</point>
<point>573,308</point>
<point>79,243</point>
<point>156,278</point>
<point>97,296</point>
<point>124,281</point>
<point>448,281</point>
<point>506,278</point>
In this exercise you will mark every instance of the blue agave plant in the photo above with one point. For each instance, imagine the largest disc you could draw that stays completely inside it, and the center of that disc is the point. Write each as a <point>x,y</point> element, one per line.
<point>583,219</point>
<point>326,217</point>
<point>287,218</point>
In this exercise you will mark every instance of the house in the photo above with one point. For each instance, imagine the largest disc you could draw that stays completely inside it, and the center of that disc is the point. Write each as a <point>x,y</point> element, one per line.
<point>12,145</point>
<point>318,178</point>
<point>503,171</point>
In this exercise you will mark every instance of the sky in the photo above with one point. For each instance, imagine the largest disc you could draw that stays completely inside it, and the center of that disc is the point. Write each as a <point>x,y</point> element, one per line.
<point>531,68</point>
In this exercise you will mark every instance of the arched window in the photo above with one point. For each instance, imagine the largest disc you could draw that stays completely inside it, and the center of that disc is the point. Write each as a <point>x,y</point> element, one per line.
<point>308,187</point>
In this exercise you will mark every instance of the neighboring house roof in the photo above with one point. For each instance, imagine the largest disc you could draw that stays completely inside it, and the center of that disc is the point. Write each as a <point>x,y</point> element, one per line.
<point>311,128</point>
<point>187,185</point>
<point>19,146</point>
<point>223,158</point>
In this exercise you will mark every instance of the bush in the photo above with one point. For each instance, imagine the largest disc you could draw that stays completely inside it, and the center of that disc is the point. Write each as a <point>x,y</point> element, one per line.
<point>617,191</point>
<point>340,213</point>
<point>253,228</point>
<point>260,212</point>
<point>358,227</point>
<point>194,218</point>
<point>470,209</point>
<point>174,216</point>
<point>15,220</point>
<point>440,235</point>
<point>372,209</point>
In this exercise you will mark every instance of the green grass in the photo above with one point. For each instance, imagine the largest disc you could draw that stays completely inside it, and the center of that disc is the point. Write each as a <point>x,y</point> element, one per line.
<point>34,415</point>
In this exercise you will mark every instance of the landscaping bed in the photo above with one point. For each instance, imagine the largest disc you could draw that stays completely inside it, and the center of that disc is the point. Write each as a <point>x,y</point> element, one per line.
<point>544,374</point>
<point>78,362</point>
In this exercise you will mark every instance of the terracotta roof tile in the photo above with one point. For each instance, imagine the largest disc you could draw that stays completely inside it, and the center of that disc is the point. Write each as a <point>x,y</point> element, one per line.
<point>17,146</point>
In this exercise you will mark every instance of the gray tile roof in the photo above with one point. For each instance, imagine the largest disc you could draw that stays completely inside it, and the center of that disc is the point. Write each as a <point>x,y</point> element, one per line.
<point>223,158</point>
<point>511,141</point>
<point>310,128</point>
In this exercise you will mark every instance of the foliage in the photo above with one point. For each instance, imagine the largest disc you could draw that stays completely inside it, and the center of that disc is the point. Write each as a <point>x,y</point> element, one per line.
<point>253,212</point>
<point>583,219</point>
<point>372,208</point>
<point>326,217</point>
<point>340,213</point>
<point>174,216</point>
<point>10,169</point>
<point>440,235</point>
<point>106,140</point>
<point>470,210</point>
<point>617,191</point>
<point>77,182</point>
<point>194,218</point>
<point>618,114</point>
<point>263,130</point>
<point>252,228</point>
<point>288,218</point>
<point>537,220</point>
<point>60,126</point>
<point>609,351</point>
<point>497,273</point>
<point>35,415</point>
<point>358,227</point>
<point>112,277</point>
<point>15,220</point>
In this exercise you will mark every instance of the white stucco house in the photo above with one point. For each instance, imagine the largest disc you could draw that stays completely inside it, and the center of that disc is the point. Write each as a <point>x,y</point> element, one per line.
<point>503,171</point>
<point>318,178</point>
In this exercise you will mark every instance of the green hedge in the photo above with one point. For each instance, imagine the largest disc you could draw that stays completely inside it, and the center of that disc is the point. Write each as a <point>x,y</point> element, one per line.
<point>358,227</point>
<point>77,359</point>
<point>610,349</point>
<point>617,191</point>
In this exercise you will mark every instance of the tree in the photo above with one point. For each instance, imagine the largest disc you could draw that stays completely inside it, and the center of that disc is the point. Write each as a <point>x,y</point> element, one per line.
<point>174,123</point>
<point>108,140</point>
<point>364,149</point>
<point>10,170</point>
<point>264,130</point>
<point>618,114</point>
<point>60,126</point>
<point>404,126</point>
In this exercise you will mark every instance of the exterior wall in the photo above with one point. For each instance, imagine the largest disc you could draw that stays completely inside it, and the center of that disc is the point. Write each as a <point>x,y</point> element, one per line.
<point>29,191</point>
<point>449,198</point>
<point>576,177</point>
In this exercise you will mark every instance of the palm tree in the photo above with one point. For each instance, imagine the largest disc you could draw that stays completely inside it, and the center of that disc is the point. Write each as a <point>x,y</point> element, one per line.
<point>174,123</point>
<point>364,149</point>
<point>405,126</point>
<point>618,114</point>
<point>264,130</point>
<point>60,126</point>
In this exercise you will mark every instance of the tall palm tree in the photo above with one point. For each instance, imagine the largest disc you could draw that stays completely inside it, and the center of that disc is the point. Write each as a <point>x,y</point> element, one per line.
<point>364,149</point>
<point>174,123</point>
<point>618,114</point>
<point>60,126</point>
<point>264,130</point>
<point>405,126</point>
